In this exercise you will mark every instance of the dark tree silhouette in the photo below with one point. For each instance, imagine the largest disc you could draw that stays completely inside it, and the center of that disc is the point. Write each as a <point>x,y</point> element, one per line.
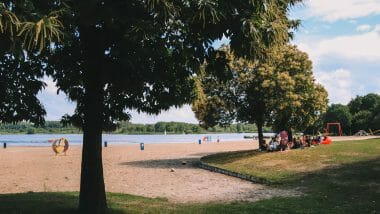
<point>119,55</point>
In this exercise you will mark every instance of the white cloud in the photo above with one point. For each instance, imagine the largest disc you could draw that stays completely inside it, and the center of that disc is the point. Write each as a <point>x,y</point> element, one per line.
<point>338,83</point>
<point>183,114</point>
<point>50,85</point>
<point>55,105</point>
<point>363,28</point>
<point>364,47</point>
<point>341,9</point>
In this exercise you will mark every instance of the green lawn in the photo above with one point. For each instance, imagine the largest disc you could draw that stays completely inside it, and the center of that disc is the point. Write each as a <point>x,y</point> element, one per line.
<point>343,177</point>
<point>340,178</point>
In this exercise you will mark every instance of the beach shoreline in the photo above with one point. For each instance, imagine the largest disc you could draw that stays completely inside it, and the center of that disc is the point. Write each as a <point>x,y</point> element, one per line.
<point>160,170</point>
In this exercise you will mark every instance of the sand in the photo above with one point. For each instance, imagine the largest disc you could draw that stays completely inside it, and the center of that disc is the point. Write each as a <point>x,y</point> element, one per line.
<point>155,172</point>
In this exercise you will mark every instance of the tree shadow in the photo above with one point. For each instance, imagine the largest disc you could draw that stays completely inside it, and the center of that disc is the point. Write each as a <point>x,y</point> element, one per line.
<point>229,157</point>
<point>44,202</point>
<point>165,163</point>
<point>347,188</point>
<point>202,154</point>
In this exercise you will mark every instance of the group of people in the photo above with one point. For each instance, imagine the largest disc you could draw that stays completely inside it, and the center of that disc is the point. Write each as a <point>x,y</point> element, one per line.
<point>281,143</point>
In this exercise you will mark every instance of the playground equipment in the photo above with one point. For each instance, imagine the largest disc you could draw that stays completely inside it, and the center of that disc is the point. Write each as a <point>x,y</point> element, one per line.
<point>334,124</point>
<point>361,133</point>
<point>59,146</point>
<point>374,132</point>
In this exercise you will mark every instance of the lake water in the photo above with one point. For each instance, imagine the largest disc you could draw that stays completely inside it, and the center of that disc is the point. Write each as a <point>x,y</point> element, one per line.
<point>76,139</point>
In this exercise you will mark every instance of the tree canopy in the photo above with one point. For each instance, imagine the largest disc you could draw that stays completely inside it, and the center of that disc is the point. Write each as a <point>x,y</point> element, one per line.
<point>365,111</point>
<point>279,90</point>
<point>119,55</point>
<point>299,100</point>
<point>22,29</point>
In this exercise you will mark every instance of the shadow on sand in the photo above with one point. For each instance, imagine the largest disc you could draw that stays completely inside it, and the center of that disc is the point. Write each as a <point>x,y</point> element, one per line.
<point>350,188</point>
<point>165,163</point>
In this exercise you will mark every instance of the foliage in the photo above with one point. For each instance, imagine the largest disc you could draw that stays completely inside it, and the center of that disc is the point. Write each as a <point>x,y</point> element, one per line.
<point>21,71</point>
<point>26,25</point>
<point>339,113</point>
<point>161,45</point>
<point>366,112</point>
<point>299,100</point>
<point>213,105</point>
<point>361,121</point>
<point>368,102</point>
<point>49,127</point>
<point>19,84</point>
<point>279,90</point>
<point>142,55</point>
<point>55,127</point>
<point>361,113</point>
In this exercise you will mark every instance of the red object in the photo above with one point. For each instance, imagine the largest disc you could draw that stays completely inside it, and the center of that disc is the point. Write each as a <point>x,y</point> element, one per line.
<point>327,141</point>
<point>334,124</point>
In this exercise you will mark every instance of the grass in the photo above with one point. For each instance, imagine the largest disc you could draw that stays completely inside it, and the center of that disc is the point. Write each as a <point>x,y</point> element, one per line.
<point>280,167</point>
<point>340,178</point>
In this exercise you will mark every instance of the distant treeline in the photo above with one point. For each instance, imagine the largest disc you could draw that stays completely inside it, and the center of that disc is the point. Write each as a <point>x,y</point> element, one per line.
<point>129,128</point>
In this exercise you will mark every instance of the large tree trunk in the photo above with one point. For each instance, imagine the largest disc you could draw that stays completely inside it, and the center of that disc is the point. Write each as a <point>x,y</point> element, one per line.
<point>92,198</point>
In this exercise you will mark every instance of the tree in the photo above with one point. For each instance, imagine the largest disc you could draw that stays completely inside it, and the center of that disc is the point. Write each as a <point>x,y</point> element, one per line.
<point>339,113</point>
<point>299,100</point>
<point>19,85</point>
<point>368,102</point>
<point>361,121</point>
<point>211,106</point>
<point>365,110</point>
<point>142,55</point>
<point>278,90</point>
<point>23,29</point>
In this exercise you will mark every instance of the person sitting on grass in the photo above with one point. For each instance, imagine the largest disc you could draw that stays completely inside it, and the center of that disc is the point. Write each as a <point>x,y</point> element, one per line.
<point>273,145</point>
<point>264,146</point>
<point>314,141</point>
<point>308,140</point>
<point>296,143</point>
<point>290,144</point>
<point>283,145</point>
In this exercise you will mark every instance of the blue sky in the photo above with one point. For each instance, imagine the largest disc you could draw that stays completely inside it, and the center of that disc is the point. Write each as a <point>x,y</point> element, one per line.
<point>342,38</point>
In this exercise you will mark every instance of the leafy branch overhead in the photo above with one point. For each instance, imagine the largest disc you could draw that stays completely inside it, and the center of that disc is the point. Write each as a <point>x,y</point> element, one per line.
<point>31,29</point>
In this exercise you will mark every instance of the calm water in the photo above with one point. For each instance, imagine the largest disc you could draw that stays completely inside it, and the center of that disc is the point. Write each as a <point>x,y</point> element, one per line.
<point>42,139</point>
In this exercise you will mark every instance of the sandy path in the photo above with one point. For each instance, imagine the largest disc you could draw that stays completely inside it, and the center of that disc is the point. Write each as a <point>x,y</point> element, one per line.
<point>129,170</point>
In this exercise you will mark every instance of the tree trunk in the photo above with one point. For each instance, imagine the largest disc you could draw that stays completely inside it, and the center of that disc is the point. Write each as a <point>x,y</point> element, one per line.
<point>290,134</point>
<point>261,136</point>
<point>92,198</point>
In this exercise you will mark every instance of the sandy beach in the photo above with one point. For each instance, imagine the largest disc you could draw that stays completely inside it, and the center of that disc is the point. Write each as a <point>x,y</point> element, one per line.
<point>129,170</point>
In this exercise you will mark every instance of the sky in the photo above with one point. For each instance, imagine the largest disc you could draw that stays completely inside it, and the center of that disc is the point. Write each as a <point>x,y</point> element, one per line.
<point>342,38</point>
